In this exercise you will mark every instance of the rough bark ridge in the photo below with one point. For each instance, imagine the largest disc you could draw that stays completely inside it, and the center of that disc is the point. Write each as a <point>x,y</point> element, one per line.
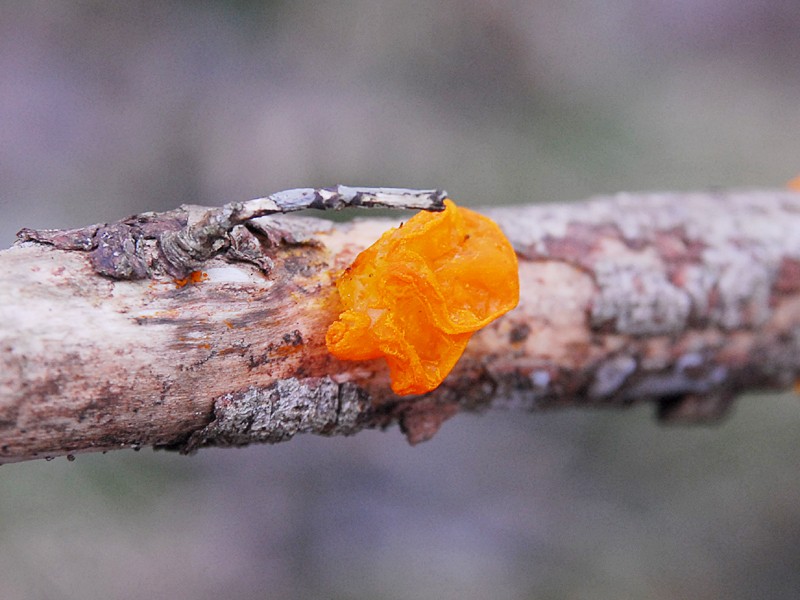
<point>202,327</point>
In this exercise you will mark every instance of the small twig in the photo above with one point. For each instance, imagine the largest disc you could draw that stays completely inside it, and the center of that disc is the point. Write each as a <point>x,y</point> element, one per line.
<point>199,241</point>
<point>189,236</point>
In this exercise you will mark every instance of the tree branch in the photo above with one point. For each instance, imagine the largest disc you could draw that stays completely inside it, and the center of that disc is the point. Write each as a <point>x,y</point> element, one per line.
<point>110,341</point>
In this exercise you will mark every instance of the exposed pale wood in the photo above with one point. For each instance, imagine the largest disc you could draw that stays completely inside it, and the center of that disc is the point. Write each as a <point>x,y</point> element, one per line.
<point>682,299</point>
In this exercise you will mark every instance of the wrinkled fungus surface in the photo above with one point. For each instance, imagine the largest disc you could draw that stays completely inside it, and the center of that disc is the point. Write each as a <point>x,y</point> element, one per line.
<point>417,295</point>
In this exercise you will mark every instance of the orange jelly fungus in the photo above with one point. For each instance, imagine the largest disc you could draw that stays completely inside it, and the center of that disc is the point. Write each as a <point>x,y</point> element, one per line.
<point>192,278</point>
<point>417,295</point>
<point>794,184</point>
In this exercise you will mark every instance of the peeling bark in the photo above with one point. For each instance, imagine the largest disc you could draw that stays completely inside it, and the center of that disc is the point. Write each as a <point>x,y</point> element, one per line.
<point>685,300</point>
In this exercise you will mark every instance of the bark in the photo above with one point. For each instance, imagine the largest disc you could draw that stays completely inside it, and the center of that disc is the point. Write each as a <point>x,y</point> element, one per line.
<point>205,327</point>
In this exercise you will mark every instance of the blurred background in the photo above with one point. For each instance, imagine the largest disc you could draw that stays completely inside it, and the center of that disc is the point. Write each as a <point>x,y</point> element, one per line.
<point>108,108</point>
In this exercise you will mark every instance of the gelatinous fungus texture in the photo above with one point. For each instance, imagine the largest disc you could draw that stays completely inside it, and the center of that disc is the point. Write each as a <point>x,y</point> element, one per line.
<point>417,295</point>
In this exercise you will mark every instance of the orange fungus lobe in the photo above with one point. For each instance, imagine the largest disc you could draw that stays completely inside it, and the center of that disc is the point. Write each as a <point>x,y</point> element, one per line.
<point>794,184</point>
<point>192,278</point>
<point>417,295</point>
